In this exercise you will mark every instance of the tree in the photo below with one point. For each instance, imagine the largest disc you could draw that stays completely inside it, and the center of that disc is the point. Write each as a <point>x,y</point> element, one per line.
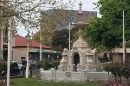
<point>106,32</point>
<point>60,39</point>
<point>26,12</point>
<point>49,22</point>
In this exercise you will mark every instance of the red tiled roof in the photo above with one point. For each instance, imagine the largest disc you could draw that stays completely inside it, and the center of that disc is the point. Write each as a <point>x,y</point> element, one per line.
<point>22,42</point>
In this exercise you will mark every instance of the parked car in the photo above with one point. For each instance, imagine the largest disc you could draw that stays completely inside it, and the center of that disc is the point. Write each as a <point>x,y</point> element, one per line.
<point>15,68</point>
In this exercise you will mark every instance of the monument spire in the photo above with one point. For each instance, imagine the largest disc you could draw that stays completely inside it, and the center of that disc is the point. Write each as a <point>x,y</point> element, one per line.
<point>80,21</point>
<point>80,8</point>
<point>78,58</point>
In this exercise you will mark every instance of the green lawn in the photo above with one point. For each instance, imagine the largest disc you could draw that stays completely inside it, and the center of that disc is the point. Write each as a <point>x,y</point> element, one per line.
<point>35,82</point>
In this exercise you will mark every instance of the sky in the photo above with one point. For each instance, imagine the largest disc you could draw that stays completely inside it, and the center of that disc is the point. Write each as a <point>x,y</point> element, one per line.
<point>88,5</point>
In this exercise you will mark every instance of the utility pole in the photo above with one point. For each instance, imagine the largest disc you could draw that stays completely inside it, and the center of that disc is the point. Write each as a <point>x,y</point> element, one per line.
<point>9,53</point>
<point>40,46</point>
<point>124,49</point>
<point>69,36</point>
<point>28,45</point>
<point>27,66</point>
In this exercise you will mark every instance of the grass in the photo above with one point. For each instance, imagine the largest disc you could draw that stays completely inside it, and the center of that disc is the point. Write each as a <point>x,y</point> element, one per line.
<point>35,82</point>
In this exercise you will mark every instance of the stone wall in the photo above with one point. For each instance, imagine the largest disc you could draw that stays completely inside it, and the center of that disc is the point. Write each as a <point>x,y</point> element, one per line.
<point>62,76</point>
<point>18,53</point>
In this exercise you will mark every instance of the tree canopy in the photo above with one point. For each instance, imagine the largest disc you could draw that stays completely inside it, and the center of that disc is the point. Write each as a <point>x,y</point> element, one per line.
<point>106,32</point>
<point>27,12</point>
<point>48,24</point>
<point>60,39</point>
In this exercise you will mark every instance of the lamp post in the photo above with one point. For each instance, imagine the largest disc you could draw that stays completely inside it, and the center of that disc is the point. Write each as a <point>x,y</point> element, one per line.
<point>27,66</point>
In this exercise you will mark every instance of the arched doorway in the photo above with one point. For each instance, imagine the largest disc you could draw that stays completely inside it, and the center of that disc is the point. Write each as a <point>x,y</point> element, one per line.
<point>76,60</point>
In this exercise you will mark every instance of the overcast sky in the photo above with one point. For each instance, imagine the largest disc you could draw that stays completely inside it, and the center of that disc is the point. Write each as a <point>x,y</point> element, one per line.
<point>87,6</point>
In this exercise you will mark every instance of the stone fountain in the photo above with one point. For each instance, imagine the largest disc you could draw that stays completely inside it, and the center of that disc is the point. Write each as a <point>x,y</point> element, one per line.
<point>81,56</point>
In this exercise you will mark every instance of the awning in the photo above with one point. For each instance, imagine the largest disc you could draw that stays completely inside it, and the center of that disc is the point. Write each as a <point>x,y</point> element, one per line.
<point>45,51</point>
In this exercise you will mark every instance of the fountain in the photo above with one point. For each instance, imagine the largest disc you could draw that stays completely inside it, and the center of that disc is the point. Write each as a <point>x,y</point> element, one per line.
<point>81,56</point>
<point>78,64</point>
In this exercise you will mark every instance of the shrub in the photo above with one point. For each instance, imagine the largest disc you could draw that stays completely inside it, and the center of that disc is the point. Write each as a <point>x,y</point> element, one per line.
<point>118,69</point>
<point>115,68</point>
<point>3,66</point>
<point>47,65</point>
<point>40,64</point>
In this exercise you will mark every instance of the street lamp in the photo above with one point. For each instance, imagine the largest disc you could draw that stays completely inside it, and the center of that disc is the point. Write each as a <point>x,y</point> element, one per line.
<point>28,43</point>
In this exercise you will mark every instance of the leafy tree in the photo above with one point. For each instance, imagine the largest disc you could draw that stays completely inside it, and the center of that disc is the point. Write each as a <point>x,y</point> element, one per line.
<point>106,32</point>
<point>50,19</point>
<point>61,39</point>
<point>26,12</point>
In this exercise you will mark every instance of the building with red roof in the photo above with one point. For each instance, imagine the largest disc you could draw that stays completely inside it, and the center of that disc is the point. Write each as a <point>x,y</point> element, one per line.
<point>20,52</point>
<point>22,42</point>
